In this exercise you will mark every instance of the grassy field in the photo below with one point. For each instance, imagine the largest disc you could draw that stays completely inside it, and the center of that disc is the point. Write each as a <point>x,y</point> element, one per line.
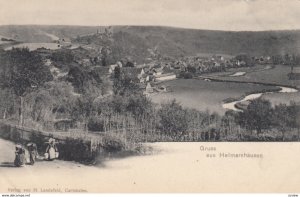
<point>277,98</point>
<point>203,95</point>
<point>276,75</point>
<point>231,71</point>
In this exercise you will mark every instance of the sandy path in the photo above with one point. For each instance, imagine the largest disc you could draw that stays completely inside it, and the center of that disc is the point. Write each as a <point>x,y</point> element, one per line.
<point>180,167</point>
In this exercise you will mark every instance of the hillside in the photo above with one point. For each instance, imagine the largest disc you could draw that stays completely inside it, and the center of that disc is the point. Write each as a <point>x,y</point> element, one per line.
<point>38,33</point>
<point>137,40</point>
<point>174,41</point>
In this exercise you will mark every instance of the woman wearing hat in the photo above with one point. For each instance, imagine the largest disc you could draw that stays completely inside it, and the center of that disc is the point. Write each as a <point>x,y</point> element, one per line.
<point>33,153</point>
<point>51,150</point>
<point>20,159</point>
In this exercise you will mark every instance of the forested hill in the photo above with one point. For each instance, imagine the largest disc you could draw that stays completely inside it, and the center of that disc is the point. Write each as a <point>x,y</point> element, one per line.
<point>171,41</point>
<point>189,41</point>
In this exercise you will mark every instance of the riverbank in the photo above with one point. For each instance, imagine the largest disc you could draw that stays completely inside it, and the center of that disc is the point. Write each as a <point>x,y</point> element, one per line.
<point>239,104</point>
<point>245,82</point>
<point>210,95</point>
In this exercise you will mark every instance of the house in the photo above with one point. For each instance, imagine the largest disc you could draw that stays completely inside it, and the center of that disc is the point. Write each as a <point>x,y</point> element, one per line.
<point>140,75</point>
<point>113,66</point>
<point>48,62</point>
<point>66,40</point>
<point>149,88</point>
<point>165,77</point>
<point>63,41</point>
<point>119,64</point>
<point>148,78</point>
<point>144,78</point>
<point>220,58</point>
<point>217,64</point>
<point>157,71</point>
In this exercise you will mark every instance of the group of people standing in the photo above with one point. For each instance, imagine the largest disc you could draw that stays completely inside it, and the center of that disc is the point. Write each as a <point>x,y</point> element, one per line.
<point>21,158</point>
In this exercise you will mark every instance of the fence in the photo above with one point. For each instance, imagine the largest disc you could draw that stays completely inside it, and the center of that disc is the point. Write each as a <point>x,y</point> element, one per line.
<point>77,146</point>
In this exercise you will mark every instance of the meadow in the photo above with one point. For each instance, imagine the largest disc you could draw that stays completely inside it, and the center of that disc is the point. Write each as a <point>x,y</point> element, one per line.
<point>262,73</point>
<point>276,75</point>
<point>231,71</point>
<point>277,98</point>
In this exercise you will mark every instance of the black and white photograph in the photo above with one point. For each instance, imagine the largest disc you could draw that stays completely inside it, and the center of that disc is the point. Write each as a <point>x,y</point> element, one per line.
<point>160,96</point>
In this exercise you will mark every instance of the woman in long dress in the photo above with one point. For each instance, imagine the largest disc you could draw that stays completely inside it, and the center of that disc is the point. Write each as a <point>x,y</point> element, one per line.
<point>51,151</point>
<point>19,156</point>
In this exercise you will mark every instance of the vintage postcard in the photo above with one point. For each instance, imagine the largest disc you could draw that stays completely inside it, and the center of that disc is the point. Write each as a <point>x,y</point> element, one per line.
<point>138,96</point>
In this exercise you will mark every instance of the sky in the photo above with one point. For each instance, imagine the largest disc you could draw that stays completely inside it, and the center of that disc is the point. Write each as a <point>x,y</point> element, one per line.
<point>234,15</point>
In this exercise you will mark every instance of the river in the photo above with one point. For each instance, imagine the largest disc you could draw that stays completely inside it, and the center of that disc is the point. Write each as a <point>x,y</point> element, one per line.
<point>237,74</point>
<point>232,105</point>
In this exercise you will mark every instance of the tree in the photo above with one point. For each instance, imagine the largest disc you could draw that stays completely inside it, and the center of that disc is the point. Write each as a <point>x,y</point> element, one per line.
<point>129,64</point>
<point>281,118</point>
<point>294,114</point>
<point>257,116</point>
<point>78,76</point>
<point>125,84</point>
<point>7,98</point>
<point>117,72</point>
<point>247,59</point>
<point>39,104</point>
<point>63,56</point>
<point>173,119</point>
<point>23,71</point>
<point>140,106</point>
<point>83,109</point>
<point>277,59</point>
<point>191,69</point>
<point>228,122</point>
<point>103,61</point>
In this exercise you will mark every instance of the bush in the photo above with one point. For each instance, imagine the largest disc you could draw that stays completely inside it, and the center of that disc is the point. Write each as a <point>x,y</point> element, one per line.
<point>185,75</point>
<point>257,116</point>
<point>39,140</point>
<point>173,118</point>
<point>113,144</point>
<point>74,149</point>
<point>95,124</point>
<point>5,132</point>
<point>16,136</point>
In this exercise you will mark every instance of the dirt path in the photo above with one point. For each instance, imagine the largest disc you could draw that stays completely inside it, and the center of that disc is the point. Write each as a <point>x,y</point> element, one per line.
<point>7,151</point>
<point>7,156</point>
<point>180,167</point>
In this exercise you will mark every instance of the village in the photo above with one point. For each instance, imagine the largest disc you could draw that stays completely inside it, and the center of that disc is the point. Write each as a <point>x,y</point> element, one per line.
<point>151,75</point>
<point>95,51</point>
